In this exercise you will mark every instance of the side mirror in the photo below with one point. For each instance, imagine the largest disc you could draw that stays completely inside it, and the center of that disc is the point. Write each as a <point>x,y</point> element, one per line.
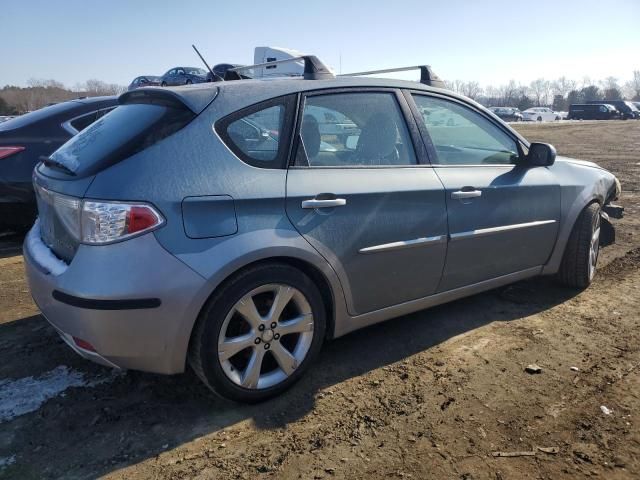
<point>541,155</point>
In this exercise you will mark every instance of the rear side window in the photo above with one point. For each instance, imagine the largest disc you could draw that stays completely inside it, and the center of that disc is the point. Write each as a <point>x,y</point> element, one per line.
<point>365,129</point>
<point>259,135</point>
<point>121,133</point>
<point>84,121</point>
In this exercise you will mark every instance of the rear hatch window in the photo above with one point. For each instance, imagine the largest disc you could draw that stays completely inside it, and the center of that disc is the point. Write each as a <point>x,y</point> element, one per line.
<point>121,133</point>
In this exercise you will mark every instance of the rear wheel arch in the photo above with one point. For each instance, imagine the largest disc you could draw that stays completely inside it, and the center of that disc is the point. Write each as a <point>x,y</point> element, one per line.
<point>314,273</point>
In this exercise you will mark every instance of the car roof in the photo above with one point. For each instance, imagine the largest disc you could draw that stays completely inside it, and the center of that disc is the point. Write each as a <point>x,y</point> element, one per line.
<point>249,91</point>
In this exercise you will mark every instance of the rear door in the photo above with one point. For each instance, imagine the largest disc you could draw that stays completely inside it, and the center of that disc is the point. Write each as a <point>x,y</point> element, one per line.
<point>503,218</point>
<point>364,200</point>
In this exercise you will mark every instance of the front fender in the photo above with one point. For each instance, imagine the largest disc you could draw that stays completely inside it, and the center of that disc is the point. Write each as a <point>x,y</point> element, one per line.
<point>594,186</point>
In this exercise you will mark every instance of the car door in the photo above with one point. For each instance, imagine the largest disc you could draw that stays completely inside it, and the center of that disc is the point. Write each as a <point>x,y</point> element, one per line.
<point>181,77</point>
<point>503,217</point>
<point>364,201</point>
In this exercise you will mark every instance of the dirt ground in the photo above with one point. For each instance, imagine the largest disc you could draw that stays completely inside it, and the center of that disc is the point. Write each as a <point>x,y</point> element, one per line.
<point>431,395</point>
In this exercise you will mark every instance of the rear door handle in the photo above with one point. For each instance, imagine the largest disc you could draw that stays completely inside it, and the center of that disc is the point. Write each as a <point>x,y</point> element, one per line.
<point>462,194</point>
<point>330,203</point>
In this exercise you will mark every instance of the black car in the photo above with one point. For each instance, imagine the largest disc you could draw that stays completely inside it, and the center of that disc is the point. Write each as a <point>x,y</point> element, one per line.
<point>144,81</point>
<point>508,114</point>
<point>593,111</point>
<point>627,109</point>
<point>184,76</point>
<point>27,139</point>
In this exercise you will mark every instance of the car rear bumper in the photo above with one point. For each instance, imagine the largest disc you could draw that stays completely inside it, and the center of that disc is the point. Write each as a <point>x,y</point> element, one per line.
<point>132,302</point>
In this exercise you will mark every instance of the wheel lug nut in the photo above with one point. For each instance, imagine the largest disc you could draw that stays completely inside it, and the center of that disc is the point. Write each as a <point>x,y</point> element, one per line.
<point>267,346</point>
<point>274,324</point>
<point>276,336</point>
<point>257,341</point>
<point>261,328</point>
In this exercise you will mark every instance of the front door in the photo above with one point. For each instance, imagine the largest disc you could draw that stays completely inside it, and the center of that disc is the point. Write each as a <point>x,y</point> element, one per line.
<point>503,218</point>
<point>364,201</point>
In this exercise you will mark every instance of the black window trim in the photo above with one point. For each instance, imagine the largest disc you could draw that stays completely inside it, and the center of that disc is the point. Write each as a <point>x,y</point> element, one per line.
<point>284,137</point>
<point>420,152</point>
<point>521,142</point>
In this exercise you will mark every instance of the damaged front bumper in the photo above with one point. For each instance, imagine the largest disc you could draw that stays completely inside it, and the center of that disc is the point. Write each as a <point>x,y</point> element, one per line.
<point>607,230</point>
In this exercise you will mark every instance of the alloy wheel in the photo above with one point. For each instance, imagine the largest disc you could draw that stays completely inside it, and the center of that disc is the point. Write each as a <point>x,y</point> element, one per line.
<point>265,336</point>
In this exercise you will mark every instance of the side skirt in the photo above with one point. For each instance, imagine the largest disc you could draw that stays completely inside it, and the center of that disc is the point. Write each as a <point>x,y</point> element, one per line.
<point>360,321</point>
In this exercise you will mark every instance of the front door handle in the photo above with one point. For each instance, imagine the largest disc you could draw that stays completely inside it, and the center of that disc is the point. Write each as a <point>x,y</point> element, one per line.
<point>329,203</point>
<point>462,194</point>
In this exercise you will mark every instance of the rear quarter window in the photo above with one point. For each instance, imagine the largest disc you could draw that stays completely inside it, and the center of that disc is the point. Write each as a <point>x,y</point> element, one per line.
<point>260,135</point>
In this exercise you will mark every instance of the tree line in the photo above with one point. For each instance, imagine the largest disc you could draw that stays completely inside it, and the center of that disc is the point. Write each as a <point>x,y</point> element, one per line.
<point>557,94</point>
<point>39,93</point>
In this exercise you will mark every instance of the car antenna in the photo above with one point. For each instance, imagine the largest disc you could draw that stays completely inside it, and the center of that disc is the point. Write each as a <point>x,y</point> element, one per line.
<point>215,76</point>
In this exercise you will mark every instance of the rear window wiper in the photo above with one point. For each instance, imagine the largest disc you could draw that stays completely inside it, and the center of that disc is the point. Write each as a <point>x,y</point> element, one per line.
<point>51,163</point>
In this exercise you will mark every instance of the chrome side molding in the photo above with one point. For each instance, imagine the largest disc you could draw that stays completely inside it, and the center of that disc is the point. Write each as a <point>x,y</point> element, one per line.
<point>488,231</point>
<point>417,242</point>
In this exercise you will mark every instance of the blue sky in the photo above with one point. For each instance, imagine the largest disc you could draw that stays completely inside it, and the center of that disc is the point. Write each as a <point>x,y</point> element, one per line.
<point>489,41</point>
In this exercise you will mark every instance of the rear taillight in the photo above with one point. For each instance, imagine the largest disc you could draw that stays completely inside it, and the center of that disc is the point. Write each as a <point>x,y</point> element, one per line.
<point>96,222</point>
<point>106,222</point>
<point>8,151</point>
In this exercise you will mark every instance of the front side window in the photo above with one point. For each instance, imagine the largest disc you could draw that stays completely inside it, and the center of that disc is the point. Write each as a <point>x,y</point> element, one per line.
<point>363,129</point>
<point>462,136</point>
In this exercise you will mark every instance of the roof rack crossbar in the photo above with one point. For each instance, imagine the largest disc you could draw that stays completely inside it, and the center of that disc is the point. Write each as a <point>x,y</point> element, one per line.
<point>427,77</point>
<point>314,69</point>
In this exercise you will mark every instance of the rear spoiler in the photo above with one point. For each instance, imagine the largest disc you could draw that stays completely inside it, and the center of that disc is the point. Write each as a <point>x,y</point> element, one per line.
<point>194,97</point>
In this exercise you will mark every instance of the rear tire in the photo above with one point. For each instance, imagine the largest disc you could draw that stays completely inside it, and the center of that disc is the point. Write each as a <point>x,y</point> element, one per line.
<point>163,84</point>
<point>539,119</point>
<point>188,82</point>
<point>578,265</point>
<point>228,342</point>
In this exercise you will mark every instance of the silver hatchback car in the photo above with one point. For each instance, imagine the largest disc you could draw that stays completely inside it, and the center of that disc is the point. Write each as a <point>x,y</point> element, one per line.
<point>234,227</point>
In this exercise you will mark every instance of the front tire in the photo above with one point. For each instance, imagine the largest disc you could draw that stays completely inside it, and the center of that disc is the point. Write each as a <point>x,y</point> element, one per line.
<point>259,333</point>
<point>580,258</point>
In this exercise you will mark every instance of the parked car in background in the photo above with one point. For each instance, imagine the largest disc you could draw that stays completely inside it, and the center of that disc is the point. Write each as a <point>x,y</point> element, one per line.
<point>540,114</point>
<point>220,70</point>
<point>637,105</point>
<point>184,76</point>
<point>508,114</point>
<point>626,108</point>
<point>30,138</point>
<point>593,111</point>
<point>160,244</point>
<point>562,115</point>
<point>144,81</point>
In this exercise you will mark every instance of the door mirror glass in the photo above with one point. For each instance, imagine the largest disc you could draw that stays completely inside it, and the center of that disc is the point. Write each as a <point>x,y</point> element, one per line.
<point>541,155</point>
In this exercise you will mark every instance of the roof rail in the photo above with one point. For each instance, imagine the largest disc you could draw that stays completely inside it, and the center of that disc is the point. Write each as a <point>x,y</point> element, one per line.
<point>427,76</point>
<point>314,69</point>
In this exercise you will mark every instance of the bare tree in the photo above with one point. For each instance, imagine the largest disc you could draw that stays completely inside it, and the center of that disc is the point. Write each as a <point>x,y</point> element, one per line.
<point>541,90</point>
<point>562,86</point>
<point>632,87</point>
<point>471,89</point>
